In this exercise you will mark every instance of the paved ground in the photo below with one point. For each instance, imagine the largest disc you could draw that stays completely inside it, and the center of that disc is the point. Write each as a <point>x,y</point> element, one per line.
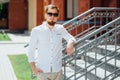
<point>16,46</point>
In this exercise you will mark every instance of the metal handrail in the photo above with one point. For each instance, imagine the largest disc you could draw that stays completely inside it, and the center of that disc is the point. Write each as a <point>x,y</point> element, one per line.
<point>93,33</point>
<point>89,11</point>
<point>81,48</point>
<point>98,30</point>
<point>88,46</point>
<point>76,22</point>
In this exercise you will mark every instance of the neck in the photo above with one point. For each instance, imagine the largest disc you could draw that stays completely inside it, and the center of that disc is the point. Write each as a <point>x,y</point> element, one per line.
<point>50,26</point>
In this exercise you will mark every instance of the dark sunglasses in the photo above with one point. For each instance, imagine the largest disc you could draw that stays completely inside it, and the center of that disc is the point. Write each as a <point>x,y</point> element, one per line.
<point>54,14</point>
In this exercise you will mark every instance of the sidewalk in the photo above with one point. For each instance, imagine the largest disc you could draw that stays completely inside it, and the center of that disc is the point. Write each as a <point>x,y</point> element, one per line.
<point>6,70</point>
<point>16,46</point>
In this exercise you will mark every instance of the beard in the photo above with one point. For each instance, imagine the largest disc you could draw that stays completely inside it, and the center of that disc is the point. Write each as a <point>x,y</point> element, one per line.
<point>51,23</point>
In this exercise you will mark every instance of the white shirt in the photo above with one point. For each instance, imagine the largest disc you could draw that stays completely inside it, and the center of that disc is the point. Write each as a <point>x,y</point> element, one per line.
<point>48,43</point>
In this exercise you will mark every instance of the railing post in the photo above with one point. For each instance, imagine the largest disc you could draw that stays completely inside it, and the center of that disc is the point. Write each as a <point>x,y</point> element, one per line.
<point>64,69</point>
<point>75,57</point>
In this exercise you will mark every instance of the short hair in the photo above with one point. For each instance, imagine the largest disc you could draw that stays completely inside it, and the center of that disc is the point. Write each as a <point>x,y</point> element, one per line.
<point>51,6</point>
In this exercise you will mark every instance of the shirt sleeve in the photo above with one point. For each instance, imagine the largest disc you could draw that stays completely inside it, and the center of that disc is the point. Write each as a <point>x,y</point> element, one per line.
<point>32,46</point>
<point>67,36</point>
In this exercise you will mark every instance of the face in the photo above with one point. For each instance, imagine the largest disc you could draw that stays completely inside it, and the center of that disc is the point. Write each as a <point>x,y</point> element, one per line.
<point>51,16</point>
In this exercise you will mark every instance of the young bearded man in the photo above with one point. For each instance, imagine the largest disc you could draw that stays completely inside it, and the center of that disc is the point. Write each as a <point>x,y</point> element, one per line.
<point>47,39</point>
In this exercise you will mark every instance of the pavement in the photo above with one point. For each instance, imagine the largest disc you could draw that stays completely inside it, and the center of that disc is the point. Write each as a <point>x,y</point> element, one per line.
<point>13,47</point>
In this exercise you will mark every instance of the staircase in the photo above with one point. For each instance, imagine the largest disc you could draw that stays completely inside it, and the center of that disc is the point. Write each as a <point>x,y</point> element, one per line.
<point>97,54</point>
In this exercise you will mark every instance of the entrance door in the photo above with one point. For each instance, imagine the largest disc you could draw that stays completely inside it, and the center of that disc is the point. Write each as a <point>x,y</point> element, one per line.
<point>3,15</point>
<point>18,15</point>
<point>71,8</point>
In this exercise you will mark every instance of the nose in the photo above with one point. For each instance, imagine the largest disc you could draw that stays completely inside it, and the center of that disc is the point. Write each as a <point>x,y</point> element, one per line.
<point>52,17</point>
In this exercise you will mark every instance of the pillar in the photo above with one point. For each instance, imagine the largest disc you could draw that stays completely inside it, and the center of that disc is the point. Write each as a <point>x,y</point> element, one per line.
<point>31,14</point>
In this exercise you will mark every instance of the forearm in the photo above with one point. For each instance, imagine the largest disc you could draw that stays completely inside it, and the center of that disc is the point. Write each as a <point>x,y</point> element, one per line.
<point>33,67</point>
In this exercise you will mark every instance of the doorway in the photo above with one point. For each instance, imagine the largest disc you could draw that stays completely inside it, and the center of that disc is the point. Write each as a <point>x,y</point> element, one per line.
<point>4,15</point>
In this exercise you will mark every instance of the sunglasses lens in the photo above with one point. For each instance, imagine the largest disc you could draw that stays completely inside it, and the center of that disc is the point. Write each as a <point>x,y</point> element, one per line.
<point>54,14</point>
<point>49,14</point>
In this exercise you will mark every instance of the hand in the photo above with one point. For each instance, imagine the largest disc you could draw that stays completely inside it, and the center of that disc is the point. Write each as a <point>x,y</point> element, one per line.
<point>37,70</point>
<point>70,48</point>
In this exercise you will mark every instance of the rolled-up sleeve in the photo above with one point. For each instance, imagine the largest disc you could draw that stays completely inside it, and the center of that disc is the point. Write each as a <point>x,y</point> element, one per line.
<point>32,46</point>
<point>67,36</point>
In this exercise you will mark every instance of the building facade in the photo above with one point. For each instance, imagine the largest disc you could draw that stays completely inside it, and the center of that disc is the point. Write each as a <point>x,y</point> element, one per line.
<point>26,14</point>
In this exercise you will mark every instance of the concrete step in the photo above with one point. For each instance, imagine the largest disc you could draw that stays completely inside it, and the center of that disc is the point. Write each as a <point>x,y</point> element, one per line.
<point>118,78</point>
<point>99,71</point>
<point>70,71</point>
<point>110,47</point>
<point>99,56</point>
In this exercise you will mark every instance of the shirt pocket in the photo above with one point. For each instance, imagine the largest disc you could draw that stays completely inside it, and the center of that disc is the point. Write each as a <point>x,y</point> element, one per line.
<point>58,37</point>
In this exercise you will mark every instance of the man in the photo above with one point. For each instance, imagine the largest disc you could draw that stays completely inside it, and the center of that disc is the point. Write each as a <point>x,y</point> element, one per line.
<point>47,39</point>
